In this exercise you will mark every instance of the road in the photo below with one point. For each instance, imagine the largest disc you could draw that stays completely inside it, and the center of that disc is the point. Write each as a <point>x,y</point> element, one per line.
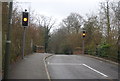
<point>80,67</point>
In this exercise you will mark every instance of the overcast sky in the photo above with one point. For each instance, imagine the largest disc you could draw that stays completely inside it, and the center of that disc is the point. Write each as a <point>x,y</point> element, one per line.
<point>60,9</point>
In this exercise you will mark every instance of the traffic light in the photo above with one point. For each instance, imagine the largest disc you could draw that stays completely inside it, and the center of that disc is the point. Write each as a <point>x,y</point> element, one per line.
<point>84,33</point>
<point>25,19</point>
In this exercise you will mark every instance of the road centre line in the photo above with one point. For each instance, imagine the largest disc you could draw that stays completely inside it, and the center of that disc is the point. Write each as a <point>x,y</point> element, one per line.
<point>79,64</point>
<point>95,70</point>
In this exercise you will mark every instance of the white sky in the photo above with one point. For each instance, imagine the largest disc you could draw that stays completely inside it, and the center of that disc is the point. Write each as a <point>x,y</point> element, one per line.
<point>60,9</point>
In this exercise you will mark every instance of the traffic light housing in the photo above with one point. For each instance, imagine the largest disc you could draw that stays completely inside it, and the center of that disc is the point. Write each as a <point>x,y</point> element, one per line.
<point>25,19</point>
<point>83,34</point>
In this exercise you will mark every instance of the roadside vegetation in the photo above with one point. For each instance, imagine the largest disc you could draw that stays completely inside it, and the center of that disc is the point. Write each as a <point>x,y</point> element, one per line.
<point>102,32</point>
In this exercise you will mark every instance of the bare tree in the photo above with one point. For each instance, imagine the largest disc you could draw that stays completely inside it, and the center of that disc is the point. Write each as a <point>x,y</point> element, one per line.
<point>46,23</point>
<point>106,12</point>
<point>116,9</point>
<point>73,23</point>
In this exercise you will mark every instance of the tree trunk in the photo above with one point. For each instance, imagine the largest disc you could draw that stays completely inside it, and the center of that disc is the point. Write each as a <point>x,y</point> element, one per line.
<point>108,24</point>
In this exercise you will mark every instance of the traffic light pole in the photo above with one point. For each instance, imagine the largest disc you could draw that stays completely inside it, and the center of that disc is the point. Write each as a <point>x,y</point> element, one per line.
<point>24,24</point>
<point>23,43</point>
<point>8,42</point>
<point>83,46</point>
<point>83,35</point>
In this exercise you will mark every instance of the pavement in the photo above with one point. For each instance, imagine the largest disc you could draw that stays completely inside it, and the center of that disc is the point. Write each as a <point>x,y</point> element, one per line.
<point>31,67</point>
<point>80,67</point>
<point>0,40</point>
<point>0,54</point>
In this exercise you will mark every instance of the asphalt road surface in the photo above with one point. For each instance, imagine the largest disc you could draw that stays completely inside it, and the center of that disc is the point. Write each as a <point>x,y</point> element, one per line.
<point>80,67</point>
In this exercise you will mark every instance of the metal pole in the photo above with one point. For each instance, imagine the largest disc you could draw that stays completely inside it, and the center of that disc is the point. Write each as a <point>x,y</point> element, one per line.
<point>118,41</point>
<point>23,45</point>
<point>8,41</point>
<point>45,40</point>
<point>83,46</point>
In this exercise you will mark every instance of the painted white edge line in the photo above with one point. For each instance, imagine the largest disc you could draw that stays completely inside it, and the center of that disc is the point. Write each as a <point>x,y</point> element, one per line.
<point>48,75</point>
<point>95,70</point>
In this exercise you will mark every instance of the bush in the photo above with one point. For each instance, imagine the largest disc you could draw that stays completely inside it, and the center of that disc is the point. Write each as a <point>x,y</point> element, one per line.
<point>91,52</point>
<point>103,50</point>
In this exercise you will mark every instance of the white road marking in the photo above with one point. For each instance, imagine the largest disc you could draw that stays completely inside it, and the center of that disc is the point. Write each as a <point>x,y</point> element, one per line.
<point>48,75</point>
<point>64,55</point>
<point>61,55</point>
<point>79,64</point>
<point>95,70</point>
<point>100,61</point>
<point>63,64</point>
